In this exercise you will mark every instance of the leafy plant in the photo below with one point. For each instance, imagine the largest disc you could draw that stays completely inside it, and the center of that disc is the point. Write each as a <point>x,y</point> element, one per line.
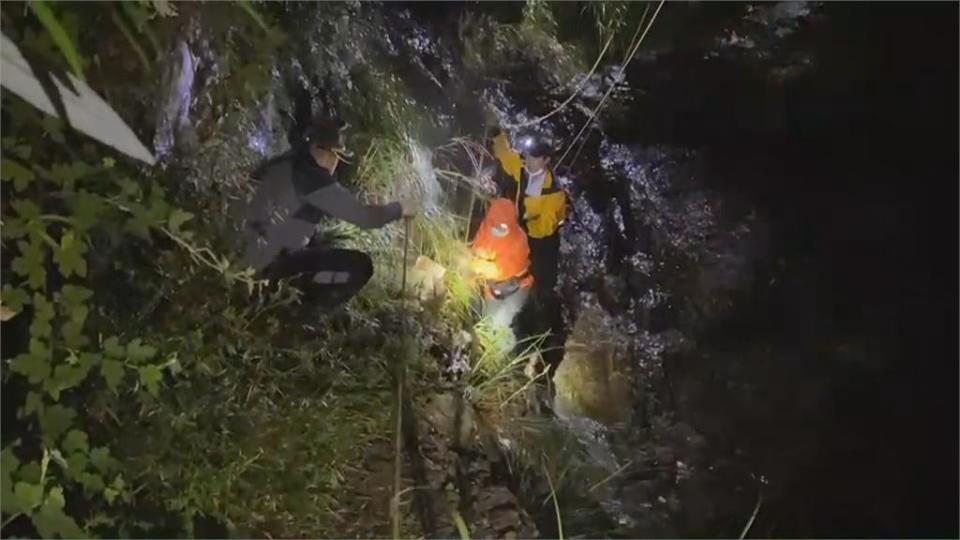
<point>160,385</point>
<point>59,35</point>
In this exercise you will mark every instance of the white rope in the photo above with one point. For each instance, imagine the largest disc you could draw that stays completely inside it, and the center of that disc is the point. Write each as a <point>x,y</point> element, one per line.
<point>575,93</point>
<point>623,70</point>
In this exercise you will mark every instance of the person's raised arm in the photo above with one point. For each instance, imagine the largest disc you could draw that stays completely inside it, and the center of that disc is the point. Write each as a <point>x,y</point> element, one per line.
<point>509,159</point>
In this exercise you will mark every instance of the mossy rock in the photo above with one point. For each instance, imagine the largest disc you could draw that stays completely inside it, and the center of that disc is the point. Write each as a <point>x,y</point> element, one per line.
<point>591,383</point>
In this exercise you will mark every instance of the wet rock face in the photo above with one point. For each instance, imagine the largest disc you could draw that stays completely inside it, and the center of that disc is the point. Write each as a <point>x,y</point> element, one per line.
<point>594,380</point>
<point>672,261</point>
<point>669,254</point>
<point>463,476</point>
<point>174,114</point>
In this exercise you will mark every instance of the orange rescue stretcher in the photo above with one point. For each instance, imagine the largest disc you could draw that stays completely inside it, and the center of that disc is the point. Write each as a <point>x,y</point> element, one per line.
<point>501,254</point>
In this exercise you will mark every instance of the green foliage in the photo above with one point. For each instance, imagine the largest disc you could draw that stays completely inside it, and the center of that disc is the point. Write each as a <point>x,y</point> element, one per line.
<point>496,377</point>
<point>69,256</point>
<point>55,421</point>
<point>162,382</point>
<point>29,496</point>
<point>491,46</point>
<point>13,170</point>
<point>141,17</point>
<point>26,496</point>
<point>59,35</point>
<point>553,35</point>
<point>610,19</point>
<point>537,13</point>
<point>59,208</point>
<point>15,298</point>
<point>249,396</point>
<point>31,263</point>
<point>112,372</point>
<point>51,521</point>
<point>249,10</point>
<point>76,441</point>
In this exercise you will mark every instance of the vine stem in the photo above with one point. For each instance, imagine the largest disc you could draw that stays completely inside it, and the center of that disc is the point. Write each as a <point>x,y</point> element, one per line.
<point>54,217</point>
<point>10,520</point>
<point>50,241</point>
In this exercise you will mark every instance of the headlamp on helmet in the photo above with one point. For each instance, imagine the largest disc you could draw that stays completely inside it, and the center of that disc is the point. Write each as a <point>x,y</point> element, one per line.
<point>535,146</point>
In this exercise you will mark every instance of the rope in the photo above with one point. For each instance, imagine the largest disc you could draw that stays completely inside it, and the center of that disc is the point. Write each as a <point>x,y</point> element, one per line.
<point>606,95</point>
<point>753,517</point>
<point>633,44</point>
<point>609,91</point>
<point>397,452</point>
<point>406,424</point>
<point>575,93</point>
<point>406,246</point>
<point>398,410</point>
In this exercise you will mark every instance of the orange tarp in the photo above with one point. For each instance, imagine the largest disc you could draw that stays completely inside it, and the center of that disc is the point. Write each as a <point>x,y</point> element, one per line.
<point>501,258</point>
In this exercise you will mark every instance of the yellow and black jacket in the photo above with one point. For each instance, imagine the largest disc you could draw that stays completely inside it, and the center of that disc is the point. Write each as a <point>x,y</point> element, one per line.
<point>541,216</point>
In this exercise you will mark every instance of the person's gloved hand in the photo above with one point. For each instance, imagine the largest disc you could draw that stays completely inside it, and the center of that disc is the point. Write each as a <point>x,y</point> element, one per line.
<point>409,208</point>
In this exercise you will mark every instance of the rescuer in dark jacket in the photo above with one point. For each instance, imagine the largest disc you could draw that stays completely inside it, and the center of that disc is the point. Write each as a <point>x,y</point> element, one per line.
<point>295,192</point>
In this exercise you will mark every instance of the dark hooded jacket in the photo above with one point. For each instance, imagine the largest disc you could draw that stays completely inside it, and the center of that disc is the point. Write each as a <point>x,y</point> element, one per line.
<point>293,195</point>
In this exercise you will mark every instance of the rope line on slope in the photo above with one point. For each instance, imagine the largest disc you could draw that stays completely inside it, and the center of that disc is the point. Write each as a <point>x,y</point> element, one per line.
<point>626,56</point>
<point>631,51</point>
<point>398,407</point>
<point>406,438</point>
<point>575,93</point>
<point>612,87</point>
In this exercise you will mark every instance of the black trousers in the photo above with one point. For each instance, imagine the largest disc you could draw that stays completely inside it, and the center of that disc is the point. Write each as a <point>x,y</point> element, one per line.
<point>326,276</point>
<point>544,259</point>
<point>544,312</point>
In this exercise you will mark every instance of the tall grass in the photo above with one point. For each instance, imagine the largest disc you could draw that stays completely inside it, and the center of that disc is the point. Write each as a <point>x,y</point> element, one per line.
<point>394,166</point>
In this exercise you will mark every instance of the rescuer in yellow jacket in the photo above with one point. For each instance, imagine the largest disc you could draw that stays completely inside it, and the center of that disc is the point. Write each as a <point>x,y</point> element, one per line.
<point>528,181</point>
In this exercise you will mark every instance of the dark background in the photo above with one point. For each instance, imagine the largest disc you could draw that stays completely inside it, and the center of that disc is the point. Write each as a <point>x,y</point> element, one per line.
<point>854,165</point>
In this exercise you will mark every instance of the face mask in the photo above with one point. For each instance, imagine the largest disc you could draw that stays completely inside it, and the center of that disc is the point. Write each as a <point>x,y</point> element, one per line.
<point>531,171</point>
